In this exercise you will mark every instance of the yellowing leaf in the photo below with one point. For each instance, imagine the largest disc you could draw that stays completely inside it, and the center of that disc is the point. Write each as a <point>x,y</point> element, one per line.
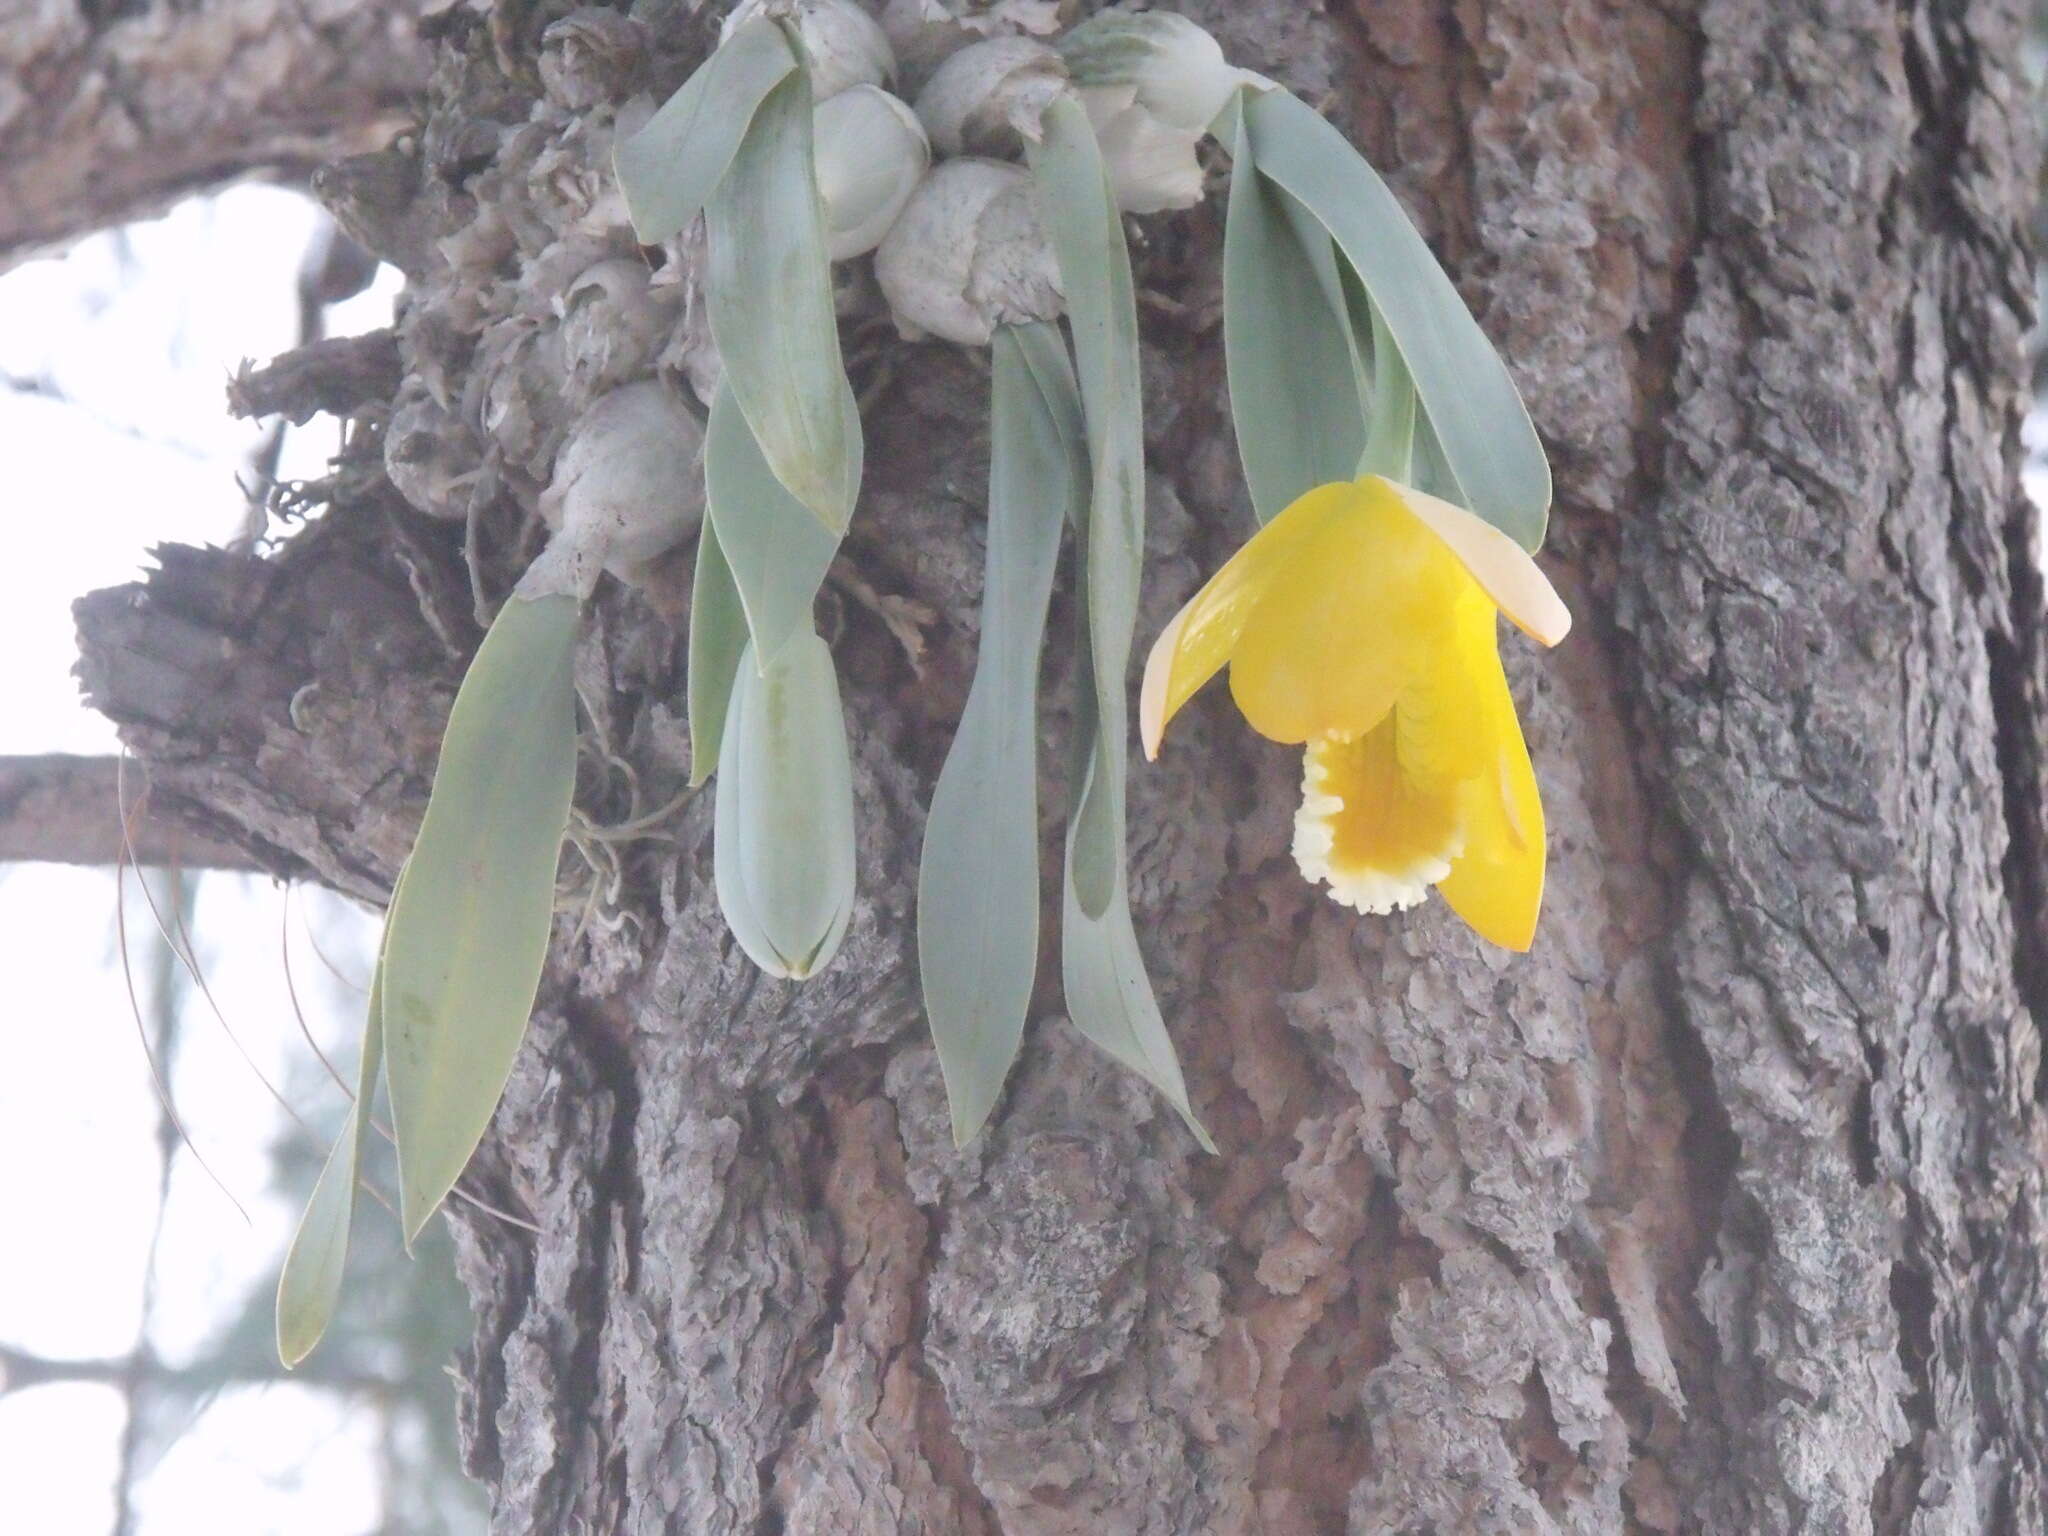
<point>310,1283</point>
<point>468,931</point>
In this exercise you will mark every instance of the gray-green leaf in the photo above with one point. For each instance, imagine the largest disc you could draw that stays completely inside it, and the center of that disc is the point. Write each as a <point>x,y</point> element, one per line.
<point>1287,343</point>
<point>669,169</point>
<point>977,892</point>
<point>1390,425</point>
<point>718,637</point>
<point>310,1283</point>
<point>1087,235</point>
<point>468,931</point>
<point>1109,998</point>
<point>1488,443</point>
<point>776,551</point>
<point>768,293</point>
<point>782,835</point>
<point>1109,995</point>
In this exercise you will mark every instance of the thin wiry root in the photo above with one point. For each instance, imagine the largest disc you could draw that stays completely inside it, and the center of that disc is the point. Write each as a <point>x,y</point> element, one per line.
<point>641,828</point>
<point>291,988</point>
<point>178,941</point>
<point>597,888</point>
<point>483,491</point>
<point>122,865</point>
<point>601,848</point>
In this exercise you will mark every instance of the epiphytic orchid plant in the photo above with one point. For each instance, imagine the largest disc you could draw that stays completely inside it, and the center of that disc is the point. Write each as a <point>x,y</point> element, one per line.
<point>1398,480</point>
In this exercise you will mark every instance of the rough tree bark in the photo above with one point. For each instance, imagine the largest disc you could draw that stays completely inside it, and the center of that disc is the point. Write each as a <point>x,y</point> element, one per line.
<point>1721,1211</point>
<point>109,109</point>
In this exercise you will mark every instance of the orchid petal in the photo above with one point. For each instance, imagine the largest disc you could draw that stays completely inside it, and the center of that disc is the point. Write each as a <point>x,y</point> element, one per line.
<point>1500,565</point>
<point>1198,640</point>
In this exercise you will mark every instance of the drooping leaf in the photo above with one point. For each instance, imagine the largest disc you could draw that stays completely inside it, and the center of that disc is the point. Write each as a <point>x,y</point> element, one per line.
<point>1109,998</point>
<point>782,834</point>
<point>718,637</point>
<point>1087,237</point>
<point>1292,360</point>
<point>468,930</point>
<point>669,169</point>
<point>1488,443</point>
<point>310,1283</point>
<point>977,892</point>
<point>775,550</point>
<point>1109,995</point>
<point>768,293</point>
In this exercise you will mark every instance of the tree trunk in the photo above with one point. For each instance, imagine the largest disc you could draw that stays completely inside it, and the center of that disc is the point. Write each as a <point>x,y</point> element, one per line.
<point>110,109</point>
<point>1721,1211</point>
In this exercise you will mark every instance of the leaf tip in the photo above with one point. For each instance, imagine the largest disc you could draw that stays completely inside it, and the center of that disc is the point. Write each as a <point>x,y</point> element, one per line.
<point>297,1335</point>
<point>970,1116</point>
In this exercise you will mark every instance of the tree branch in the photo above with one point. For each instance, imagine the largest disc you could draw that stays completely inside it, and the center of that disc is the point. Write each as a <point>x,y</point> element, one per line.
<point>64,810</point>
<point>20,1370</point>
<point>340,374</point>
<point>110,117</point>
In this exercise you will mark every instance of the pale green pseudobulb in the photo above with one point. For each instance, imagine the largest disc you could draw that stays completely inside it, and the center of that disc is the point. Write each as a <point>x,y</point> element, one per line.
<point>843,46</point>
<point>969,253</point>
<point>871,154</point>
<point>1152,82</point>
<point>987,99</point>
<point>625,484</point>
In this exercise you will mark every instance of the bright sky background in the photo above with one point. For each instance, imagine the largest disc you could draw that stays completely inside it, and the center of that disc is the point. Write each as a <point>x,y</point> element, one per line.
<point>138,450</point>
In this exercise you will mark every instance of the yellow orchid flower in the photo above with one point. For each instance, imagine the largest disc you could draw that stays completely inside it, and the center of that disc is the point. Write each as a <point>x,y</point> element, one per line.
<point>1360,622</point>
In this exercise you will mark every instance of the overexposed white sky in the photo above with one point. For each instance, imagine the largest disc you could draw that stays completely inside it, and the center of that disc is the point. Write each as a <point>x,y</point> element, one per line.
<point>121,440</point>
